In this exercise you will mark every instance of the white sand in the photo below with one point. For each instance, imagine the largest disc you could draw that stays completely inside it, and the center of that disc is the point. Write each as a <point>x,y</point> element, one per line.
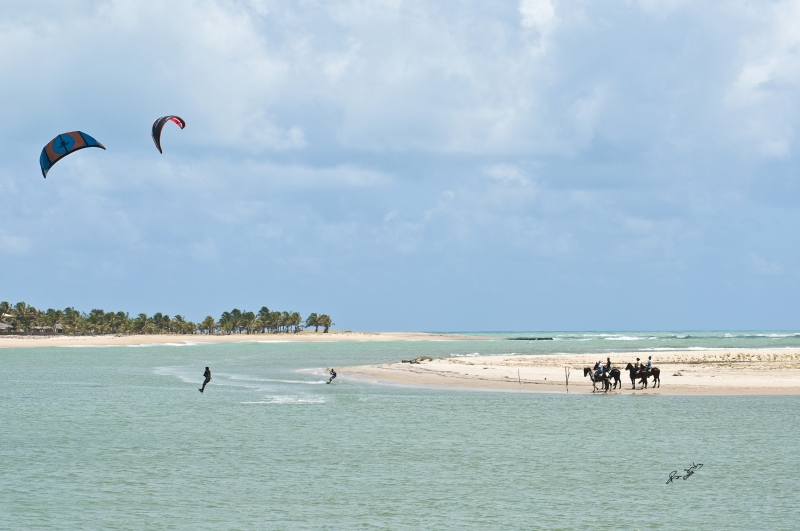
<point>728,371</point>
<point>120,340</point>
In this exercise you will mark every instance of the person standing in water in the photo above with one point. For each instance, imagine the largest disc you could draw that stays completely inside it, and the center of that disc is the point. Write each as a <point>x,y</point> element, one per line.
<point>207,376</point>
<point>333,375</point>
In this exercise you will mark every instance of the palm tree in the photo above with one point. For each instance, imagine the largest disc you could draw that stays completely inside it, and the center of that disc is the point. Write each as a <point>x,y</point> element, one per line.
<point>225,322</point>
<point>296,321</point>
<point>236,320</point>
<point>28,319</point>
<point>263,318</point>
<point>208,325</point>
<point>325,322</point>
<point>248,321</point>
<point>25,316</point>
<point>313,320</point>
<point>141,322</point>
<point>178,324</point>
<point>72,319</point>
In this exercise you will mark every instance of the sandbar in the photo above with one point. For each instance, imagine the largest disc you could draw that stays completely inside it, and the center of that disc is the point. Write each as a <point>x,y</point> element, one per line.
<point>695,372</point>
<point>155,339</point>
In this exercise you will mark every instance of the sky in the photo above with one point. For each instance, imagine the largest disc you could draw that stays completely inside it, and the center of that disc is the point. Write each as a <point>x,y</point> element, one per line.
<point>408,165</point>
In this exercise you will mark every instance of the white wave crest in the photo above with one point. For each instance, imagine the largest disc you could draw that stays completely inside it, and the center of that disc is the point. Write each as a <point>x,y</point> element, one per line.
<point>284,399</point>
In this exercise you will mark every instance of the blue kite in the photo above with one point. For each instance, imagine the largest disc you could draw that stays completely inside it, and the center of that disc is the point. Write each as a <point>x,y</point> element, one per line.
<point>63,145</point>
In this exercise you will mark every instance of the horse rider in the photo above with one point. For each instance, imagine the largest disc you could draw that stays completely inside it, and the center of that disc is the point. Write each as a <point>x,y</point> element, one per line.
<point>599,370</point>
<point>608,365</point>
<point>649,365</point>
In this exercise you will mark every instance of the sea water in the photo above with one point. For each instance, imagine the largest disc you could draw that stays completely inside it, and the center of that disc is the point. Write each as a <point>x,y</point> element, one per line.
<point>120,438</point>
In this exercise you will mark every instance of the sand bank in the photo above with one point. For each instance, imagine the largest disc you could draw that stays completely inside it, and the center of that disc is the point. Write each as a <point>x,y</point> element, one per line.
<point>728,371</point>
<point>306,336</point>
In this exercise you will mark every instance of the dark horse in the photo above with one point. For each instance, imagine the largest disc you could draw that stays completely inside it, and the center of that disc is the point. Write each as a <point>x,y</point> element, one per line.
<point>604,379</point>
<point>643,375</point>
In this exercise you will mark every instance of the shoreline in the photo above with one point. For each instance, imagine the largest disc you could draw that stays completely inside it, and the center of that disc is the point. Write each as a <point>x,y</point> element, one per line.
<point>683,372</point>
<point>189,339</point>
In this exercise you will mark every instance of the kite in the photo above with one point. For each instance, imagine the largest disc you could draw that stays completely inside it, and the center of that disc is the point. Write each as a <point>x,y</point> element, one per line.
<point>63,145</point>
<point>159,124</point>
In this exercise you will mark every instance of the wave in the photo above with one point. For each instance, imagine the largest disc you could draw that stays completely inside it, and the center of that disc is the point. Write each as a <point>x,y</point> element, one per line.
<point>283,399</point>
<point>245,378</point>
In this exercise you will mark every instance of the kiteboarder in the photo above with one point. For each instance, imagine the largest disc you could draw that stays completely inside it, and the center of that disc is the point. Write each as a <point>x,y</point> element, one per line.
<point>207,376</point>
<point>333,375</point>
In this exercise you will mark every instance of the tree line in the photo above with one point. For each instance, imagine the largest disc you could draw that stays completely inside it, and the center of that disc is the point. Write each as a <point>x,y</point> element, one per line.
<point>22,318</point>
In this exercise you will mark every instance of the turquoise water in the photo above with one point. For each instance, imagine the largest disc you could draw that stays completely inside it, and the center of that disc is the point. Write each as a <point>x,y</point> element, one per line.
<point>119,438</point>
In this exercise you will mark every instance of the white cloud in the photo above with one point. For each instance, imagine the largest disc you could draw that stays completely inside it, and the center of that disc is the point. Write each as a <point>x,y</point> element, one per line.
<point>507,174</point>
<point>538,15</point>
<point>763,95</point>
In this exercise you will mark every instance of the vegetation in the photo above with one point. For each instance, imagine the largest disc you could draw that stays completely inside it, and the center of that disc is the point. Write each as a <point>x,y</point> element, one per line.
<point>21,318</point>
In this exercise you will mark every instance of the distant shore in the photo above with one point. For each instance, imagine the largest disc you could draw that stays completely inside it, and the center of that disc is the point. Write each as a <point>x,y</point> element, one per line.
<point>710,372</point>
<point>155,339</point>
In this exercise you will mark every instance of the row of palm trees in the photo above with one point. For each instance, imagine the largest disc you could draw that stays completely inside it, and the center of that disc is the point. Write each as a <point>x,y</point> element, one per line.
<point>22,318</point>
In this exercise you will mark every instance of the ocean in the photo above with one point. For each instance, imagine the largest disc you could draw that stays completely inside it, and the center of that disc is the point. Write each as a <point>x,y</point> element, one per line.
<point>120,438</point>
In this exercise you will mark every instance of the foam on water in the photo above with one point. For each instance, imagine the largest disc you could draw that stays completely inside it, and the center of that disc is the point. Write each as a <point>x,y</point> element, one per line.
<point>284,400</point>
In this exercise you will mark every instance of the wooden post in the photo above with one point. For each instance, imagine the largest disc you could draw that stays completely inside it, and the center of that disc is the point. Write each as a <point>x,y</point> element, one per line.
<point>518,378</point>
<point>566,374</point>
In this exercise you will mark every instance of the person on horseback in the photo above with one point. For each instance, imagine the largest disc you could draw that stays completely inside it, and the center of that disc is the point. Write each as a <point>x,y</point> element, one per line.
<point>598,370</point>
<point>608,365</point>
<point>649,363</point>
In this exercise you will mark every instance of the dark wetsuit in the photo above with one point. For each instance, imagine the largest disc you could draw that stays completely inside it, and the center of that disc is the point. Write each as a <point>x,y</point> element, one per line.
<point>333,375</point>
<point>207,376</point>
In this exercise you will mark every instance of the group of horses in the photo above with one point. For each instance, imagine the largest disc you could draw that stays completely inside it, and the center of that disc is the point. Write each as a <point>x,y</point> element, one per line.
<point>641,373</point>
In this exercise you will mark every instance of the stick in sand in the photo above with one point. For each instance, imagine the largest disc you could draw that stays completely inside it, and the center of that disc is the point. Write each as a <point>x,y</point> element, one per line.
<point>566,373</point>
<point>518,379</point>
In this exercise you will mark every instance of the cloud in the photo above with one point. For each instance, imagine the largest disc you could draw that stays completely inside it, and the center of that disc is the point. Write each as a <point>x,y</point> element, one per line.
<point>507,174</point>
<point>538,16</point>
<point>565,146</point>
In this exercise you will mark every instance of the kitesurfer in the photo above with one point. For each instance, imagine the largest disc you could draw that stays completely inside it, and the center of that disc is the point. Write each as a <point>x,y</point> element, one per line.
<point>207,376</point>
<point>333,375</point>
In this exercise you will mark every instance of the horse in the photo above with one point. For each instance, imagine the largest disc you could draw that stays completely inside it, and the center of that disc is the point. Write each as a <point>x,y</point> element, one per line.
<point>614,374</point>
<point>643,375</point>
<point>605,379</point>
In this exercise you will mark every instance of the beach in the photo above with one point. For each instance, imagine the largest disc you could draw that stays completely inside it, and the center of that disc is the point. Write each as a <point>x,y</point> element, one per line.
<point>683,372</point>
<point>190,339</point>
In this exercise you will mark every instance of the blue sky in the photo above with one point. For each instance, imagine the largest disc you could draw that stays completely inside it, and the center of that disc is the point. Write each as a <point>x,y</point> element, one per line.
<point>408,165</point>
